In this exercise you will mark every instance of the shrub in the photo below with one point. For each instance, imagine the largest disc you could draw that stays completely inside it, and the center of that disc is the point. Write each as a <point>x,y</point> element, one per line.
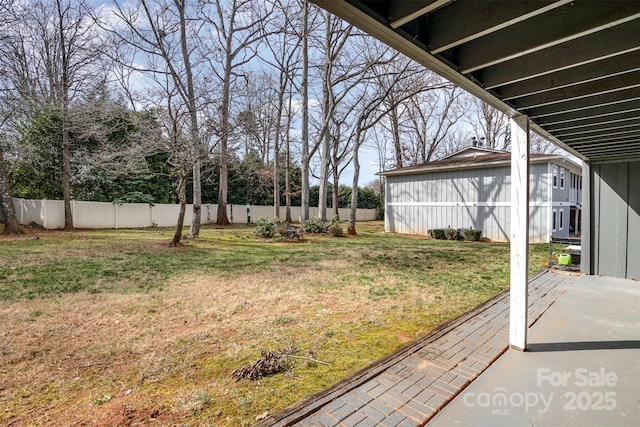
<point>451,234</point>
<point>437,233</point>
<point>335,230</point>
<point>267,228</point>
<point>314,225</point>
<point>472,235</point>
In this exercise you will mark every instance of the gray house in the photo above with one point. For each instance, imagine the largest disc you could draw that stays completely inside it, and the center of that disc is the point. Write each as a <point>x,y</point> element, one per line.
<point>472,189</point>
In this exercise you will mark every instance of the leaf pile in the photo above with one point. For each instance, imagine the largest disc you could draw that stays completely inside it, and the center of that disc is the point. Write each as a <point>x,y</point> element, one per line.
<point>271,362</point>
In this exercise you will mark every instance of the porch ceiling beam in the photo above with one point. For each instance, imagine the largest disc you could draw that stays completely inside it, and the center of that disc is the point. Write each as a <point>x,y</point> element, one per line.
<point>608,144</point>
<point>465,21</point>
<point>608,43</point>
<point>585,122</point>
<point>611,136</point>
<point>569,22</point>
<point>590,105</point>
<point>611,84</point>
<point>406,11</point>
<point>615,158</point>
<point>591,72</point>
<point>602,130</point>
<point>630,152</point>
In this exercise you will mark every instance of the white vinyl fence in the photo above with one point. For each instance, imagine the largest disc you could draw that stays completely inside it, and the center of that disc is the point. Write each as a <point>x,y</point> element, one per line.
<point>50,214</point>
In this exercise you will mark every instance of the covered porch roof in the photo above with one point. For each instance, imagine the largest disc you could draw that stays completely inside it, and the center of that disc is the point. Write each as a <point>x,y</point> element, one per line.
<point>572,67</point>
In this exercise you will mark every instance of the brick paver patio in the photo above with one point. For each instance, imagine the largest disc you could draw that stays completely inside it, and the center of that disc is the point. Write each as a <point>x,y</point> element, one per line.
<point>411,385</point>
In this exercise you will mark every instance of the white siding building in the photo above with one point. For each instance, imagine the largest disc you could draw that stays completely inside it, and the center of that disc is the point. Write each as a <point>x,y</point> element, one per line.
<point>471,189</point>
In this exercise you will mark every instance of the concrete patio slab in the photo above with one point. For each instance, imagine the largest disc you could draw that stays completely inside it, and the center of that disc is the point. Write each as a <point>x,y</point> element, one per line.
<point>582,367</point>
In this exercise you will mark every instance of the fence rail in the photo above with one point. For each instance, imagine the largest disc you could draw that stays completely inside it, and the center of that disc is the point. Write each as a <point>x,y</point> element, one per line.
<point>50,214</point>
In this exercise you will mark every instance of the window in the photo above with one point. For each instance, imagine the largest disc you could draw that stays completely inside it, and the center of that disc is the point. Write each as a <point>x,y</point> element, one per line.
<point>561,219</point>
<point>561,177</point>
<point>555,176</point>
<point>555,219</point>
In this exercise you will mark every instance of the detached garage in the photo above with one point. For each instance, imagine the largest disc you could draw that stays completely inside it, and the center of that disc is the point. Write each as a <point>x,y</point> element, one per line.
<point>472,189</point>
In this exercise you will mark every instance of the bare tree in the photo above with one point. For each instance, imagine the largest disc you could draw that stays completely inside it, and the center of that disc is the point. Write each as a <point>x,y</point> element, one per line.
<point>397,109</point>
<point>51,60</point>
<point>7,112</point>
<point>304,92</point>
<point>257,120</point>
<point>177,147</point>
<point>489,124</point>
<point>238,26</point>
<point>337,34</point>
<point>283,46</point>
<point>394,127</point>
<point>430,117</point>
<point>7,209</point>
<point>289,118</point>
<point>340,154</point>
<point>375,102</point>
<point>167,37</point>
<point>344,67</point>
<point>541,145</point>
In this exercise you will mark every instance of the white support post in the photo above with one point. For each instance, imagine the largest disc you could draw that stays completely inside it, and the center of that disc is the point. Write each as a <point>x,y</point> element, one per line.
<point>519,233</point>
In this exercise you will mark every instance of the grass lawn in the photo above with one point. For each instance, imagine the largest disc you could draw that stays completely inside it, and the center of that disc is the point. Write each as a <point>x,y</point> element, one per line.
<point>113,327</point>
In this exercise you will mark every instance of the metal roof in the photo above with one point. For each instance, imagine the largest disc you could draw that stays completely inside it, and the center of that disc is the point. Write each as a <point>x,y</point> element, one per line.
<point>573,67</point>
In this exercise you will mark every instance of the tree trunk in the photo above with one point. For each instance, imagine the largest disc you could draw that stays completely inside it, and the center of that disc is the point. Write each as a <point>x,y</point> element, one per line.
<point>287,186</point>
<point>276,144</point>
<point>222,195</point>
<point>395,131</point>
<point>324,179</point>
<point>223,189</point>
<point>304,209</point>
<point>194,232</point>
<point>351,228</point>
<point>334,198</point>
<point>326,136</point>
<point>10,219</point>
<point>287,167</point>
<point>66,143</point>
<point>276,183</point>
<point>66,171</point>
<point>182,196</point>
<point>194,131</point>
<point>423,142</point>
